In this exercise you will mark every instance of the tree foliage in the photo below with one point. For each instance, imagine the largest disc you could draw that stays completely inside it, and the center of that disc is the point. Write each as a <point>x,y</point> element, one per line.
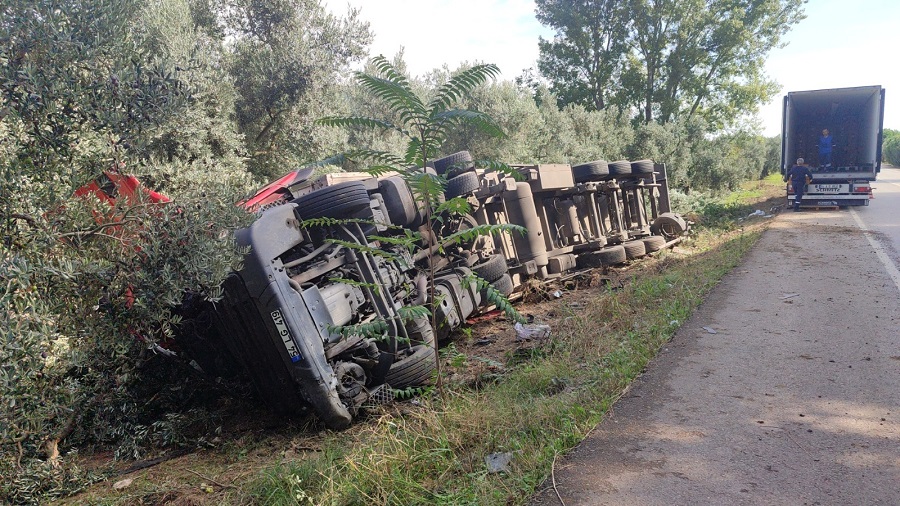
<point>88,288</point>
<point>585,56</point>
<point>283,60</point>
<point>891,147</point>
<point>665,59</point>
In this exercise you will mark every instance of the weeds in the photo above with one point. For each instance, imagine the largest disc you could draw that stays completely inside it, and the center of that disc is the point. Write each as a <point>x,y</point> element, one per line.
<point>433,450</point>
<point>434,453</point>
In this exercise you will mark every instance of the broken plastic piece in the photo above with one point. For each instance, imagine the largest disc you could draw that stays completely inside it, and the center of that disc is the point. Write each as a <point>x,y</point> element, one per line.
<point>531,331</point>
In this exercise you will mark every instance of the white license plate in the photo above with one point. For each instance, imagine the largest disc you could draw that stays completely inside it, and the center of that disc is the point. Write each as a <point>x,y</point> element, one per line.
<point>829,188</point>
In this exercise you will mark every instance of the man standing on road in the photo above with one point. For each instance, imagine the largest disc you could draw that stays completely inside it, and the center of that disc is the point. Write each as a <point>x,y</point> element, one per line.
<point>799,176</point>
<point>826,142</point>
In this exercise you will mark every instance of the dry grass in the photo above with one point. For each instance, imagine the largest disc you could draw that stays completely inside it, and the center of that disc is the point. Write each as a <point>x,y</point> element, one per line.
<point>540,402</point>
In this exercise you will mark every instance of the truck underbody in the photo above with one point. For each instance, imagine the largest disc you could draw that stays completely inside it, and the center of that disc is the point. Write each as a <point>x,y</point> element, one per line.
<point>318,315</point>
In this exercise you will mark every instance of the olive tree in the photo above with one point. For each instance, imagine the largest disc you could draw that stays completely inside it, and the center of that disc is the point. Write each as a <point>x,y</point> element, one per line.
<point>88,287</point>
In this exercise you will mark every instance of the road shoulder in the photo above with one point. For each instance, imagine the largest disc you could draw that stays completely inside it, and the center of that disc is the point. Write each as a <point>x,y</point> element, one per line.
<point>783,386</point>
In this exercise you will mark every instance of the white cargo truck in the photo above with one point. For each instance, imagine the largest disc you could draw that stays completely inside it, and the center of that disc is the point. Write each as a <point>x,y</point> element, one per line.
<point>854,118</point>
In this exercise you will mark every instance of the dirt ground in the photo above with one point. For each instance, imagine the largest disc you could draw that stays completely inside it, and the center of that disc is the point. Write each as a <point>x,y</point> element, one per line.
<point>782,388</point>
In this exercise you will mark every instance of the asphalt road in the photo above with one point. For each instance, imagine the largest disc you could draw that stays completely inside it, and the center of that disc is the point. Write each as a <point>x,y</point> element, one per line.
<point>883,213</point>
<point>782,388</point>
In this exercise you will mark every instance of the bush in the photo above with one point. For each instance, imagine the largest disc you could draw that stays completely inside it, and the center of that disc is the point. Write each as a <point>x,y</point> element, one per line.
<point>891,150</point>
<point>88,289</point>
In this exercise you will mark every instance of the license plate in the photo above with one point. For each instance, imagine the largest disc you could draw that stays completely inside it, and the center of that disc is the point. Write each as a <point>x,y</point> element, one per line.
<point>829,188</point>
<point>285,336</point>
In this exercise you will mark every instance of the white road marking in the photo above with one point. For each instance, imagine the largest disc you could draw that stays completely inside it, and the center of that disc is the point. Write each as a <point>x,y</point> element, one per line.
<point>879,250</point>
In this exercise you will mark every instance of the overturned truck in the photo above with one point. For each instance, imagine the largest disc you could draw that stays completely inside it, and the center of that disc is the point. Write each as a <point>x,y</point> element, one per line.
<point>321,260</point>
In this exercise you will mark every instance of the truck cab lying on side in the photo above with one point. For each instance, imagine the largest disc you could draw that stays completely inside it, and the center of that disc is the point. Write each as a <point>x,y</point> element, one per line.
<point>316,315</point>
<point>854,118</point>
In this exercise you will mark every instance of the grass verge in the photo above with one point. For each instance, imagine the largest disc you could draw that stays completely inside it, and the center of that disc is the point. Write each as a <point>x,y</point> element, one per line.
<point>433,452</point>
<point>541,404</point>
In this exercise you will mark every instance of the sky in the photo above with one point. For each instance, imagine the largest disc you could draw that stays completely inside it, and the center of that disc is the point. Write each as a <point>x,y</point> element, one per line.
<point>839,44</point>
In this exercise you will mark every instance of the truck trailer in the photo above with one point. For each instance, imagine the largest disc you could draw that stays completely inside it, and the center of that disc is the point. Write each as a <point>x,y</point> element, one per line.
<point>854,118</point>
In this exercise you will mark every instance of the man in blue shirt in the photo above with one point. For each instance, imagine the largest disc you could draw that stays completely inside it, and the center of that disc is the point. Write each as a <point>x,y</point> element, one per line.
<point>826,142</point>
<point>799,176</point>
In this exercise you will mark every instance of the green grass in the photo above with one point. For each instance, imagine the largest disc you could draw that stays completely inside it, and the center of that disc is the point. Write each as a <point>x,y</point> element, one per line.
<point>540,405</point>
<point>434,453</point>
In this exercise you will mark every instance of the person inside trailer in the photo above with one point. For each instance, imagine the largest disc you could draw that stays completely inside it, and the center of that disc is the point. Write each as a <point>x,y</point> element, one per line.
<point>826,143</point>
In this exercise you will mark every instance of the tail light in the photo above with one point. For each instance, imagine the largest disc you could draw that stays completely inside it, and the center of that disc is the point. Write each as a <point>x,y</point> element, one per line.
<point>790,189</point>
<point>862,189</point>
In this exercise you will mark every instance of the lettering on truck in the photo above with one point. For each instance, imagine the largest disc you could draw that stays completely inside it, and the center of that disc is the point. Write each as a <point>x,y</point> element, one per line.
<point>826,188</point>
<point>285,334</point>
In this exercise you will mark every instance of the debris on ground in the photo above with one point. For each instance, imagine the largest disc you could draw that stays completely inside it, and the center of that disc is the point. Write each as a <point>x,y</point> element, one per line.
<point>532,331</point>
<point>498,462</point>
<point>710,330</point>
<point>119,485</point>
<point>758,212</point>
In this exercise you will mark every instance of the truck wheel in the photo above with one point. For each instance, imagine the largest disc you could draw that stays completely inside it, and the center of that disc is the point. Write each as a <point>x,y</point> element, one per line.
<point>413,367</point>
<point>642,167</point>
<point>669,225</point>
<point>634,249</point>
<point>620,168</point>
<point>420,331</point>
<point>399,201</point>
<point>461,185</point>
<point>612,255</point>
<point>504,284</point>
<point>492,268</point>
<point>597,170</point>
<point>341,201</point>
<point>455,164</point>
<point>653,243</point>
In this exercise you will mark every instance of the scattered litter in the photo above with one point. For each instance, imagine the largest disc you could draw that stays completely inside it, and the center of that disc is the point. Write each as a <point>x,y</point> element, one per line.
<point>119,485</point>
<point>484,342</point>
<point>789,295</point>
<point>759,212</point>
<point>673,322</point>
<point>710,330</point>
<point>531,331</point>
<point>498,462</point>
<point>557,294</point>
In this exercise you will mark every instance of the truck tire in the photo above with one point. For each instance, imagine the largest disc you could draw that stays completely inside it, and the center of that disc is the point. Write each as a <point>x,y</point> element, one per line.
<point>504,284</point>
<point>413,367</point>
<point>620,168</point>
<point>598,170</point>
<point>642,167</point>
<point>653,243</point>
<point>455,164</point>
<point>341,201</point>
<point>669,225</point>
<point>461,185</point>
<point>634,249</point>
<point>400,203</point>
<point>492,268</point>
<point>611,255</point>
<point>420,331</point>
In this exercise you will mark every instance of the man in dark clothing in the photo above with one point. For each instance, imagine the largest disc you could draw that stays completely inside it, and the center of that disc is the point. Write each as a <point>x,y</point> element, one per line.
<point>826,142</point>
<point>799,176</point>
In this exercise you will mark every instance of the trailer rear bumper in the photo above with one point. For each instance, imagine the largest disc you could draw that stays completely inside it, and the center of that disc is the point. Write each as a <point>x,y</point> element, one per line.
<point>829,201</point>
